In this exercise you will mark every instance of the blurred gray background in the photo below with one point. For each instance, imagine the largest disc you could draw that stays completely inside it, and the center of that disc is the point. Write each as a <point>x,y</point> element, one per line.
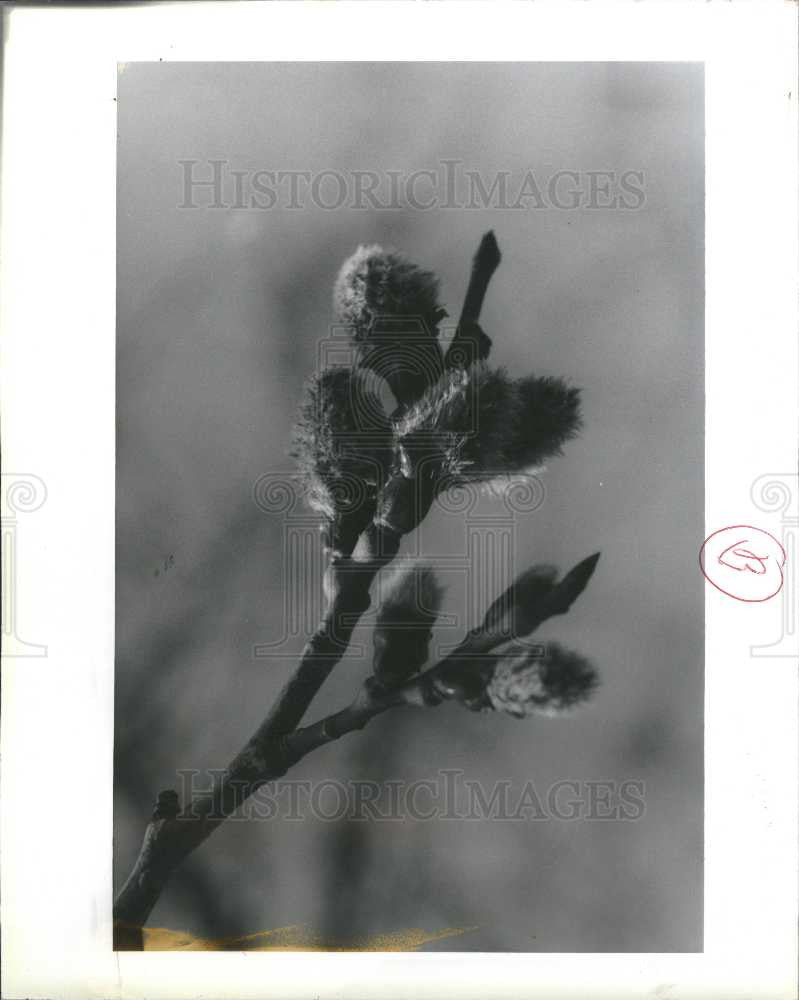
<point>220,316</point>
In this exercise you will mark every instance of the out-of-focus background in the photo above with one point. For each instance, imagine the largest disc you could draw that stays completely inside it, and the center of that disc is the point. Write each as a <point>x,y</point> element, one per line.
<point>222,313</point>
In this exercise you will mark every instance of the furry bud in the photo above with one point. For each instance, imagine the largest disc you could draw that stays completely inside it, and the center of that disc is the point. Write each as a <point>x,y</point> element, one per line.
<point>392,308</point>
<point>548,416</point>
<point>343,446</point>
<point>404,623</point>
<point>481,424</point>
<point>528,683</point>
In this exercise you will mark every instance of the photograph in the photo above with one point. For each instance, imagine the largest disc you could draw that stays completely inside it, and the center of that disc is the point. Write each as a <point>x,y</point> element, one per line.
<point>410,463</point>
<point>400,500</point>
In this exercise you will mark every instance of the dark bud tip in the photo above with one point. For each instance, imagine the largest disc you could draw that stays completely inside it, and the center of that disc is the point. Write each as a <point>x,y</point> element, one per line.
<point>488,254</point>
<point>574,583</point>
<point>576,579</point>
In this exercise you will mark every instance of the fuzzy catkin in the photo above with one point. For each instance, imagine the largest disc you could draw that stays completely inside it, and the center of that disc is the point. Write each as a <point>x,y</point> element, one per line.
<point>375,283</point>
<point>527,683</point>
<point>391,308</point>
<point>479,424</point>
<point>343,446</point>
<point>407,614</point>
<point>412,597</point>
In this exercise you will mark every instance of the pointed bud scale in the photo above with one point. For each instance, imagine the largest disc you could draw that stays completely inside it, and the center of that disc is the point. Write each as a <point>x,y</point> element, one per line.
<point>513,613</point>
<point>530,600</point>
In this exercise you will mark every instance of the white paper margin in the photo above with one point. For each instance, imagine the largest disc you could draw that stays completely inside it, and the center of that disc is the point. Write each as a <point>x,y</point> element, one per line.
<point>58,349</point>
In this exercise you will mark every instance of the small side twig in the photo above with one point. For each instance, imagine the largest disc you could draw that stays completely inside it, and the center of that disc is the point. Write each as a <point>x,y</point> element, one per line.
<point>461,675</point>
<point>470,342</point>
<point>484,263</point>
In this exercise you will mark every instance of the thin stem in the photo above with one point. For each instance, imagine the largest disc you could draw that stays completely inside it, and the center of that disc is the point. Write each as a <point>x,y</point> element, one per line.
<point>266,755</point>
<point>470,343</point>
<point>484,263</point>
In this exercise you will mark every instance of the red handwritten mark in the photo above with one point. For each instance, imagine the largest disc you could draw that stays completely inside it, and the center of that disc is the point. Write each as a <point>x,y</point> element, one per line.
<point>743,562</point>
<point>743,554</point>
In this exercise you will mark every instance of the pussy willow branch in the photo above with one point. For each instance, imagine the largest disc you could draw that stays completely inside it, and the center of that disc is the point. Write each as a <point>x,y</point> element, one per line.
<point>167,841</point>
<point>277,744</point>
<point>267,756</point>
<point>351,581</point>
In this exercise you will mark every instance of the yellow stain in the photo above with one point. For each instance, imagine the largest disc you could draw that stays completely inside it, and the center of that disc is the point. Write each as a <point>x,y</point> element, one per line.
<point>295,937</point>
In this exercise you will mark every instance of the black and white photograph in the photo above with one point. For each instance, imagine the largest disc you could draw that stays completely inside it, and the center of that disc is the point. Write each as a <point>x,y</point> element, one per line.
<point>400,500</point>
<point>409,460</point>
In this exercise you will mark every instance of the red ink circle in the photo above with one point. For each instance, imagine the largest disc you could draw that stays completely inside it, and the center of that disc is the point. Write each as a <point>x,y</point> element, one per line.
<point>743,562</point>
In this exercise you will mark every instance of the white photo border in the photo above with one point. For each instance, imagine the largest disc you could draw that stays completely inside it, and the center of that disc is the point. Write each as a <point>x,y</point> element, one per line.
<point>58,359</point>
